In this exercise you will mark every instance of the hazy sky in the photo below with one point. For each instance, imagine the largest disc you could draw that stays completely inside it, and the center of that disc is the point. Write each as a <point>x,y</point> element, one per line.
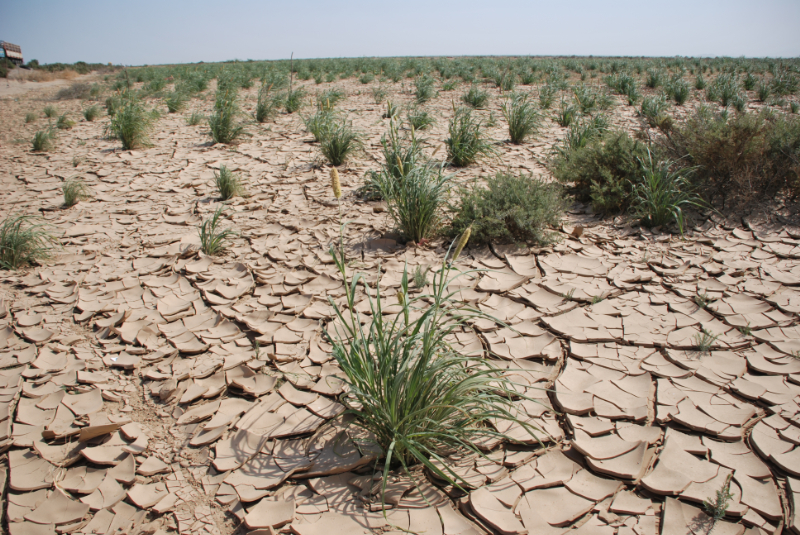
<point>175,31</point>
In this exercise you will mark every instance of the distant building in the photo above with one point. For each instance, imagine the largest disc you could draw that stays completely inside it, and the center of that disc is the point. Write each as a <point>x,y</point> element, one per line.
<point>12,53</point>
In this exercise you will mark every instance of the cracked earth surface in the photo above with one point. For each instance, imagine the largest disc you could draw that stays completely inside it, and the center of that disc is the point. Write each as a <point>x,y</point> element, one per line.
<point>133,398</point>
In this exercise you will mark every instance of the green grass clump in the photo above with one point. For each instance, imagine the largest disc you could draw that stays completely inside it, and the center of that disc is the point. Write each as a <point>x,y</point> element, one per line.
<point>50,111</point>
<point>409,390</point>
<point>467,142</point>
<point>678,90</point>
<point>379,94</point>
<point>704,341</point>
<point>566,114</point>
<point>132,124</point>
<point>213,239</point>
<point>419,118</point>
<point>176,101</point>
<point>328,99</point>
<point>661,194</point>
<point>392,110</point>
<point>510,209</point>
<point>475,97</point>
<point>654,110</point>
<point>414,199</point>
<point>75,190</point>
<point>267,104</point>
<point>64,122</point>
<point>195,119</point>
<point>44,140</point>
<point>547,94</point>
<point>23,241</point>
<point>655,78</point>
<point>717,507</point>
<point>223,124</point>
<point>449,85</point>
<point>91,113</point>
<point>293,100</point>
<point>320,123</point>
<point>366,78</point>
<point>30,117</point>
<point>522,117</point>
<point>602,170</point>
<point>340,143</point>
<point>423,89</point>
<point>228,183</point>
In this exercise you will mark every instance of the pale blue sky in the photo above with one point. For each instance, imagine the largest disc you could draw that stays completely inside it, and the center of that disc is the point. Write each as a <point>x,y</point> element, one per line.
<point>172,31</point>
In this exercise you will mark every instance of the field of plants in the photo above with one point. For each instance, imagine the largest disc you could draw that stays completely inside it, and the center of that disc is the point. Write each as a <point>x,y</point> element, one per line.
<point>449,296</point>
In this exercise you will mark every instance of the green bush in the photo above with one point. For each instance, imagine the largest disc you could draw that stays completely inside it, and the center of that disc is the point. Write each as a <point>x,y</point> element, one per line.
<point>293,100</point>
<point>50,111</point>
<point>75,190</point>
<point>423,89</point>
<point>409,390</point>
<point>738,157</point>
<point>228,184</point>
<point>522,118</point>
<point>43,140</point>
<point>467,142</point>
<point>419,118</point>
<point>30,117</point>
<point>602,171</point>
<point>339,143</point>
<point>475,97</point>
<point>132,123</point>
<point>223,124</point>
<point>91,113</point>
<point>176,101</point>
<point>509,209</point>
<point>213,239</point>
<point>24,240</point>
<point>64,122</point>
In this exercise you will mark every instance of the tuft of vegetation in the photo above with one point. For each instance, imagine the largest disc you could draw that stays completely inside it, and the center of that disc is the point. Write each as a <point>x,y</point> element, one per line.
<point>566,114</point>
<point>327,100</point>
<point>654,110</point>
<point>379,94</point>
<point>30,117</point>
<point>195,119</point>
<point>320,123</point>
<point>267,104</point>
<point>522,117</point>
<point>409,390</point>
<point>79,90</point>
<point>475,97</point>
<point>704,341</point>
<point>678,90</point>
<point>662,193</point>
<point>223,124</point>
<point>176,101</point>
<point>547,94</point>
<point>423,89</point>
<point>392,110</point>
<point>420,276</point>
<point>132,123</point>
<point>213,239</point>
<point>419,118</point>
<point>24,240</point>
<point>415,198</point>
<point>340,142</point>
<point>50,111</point>
<point>75,190</point>
<point>228,184</point>
<point>717,507</point>
<point>510,209</point>
<point>44,140</point>
<point>602,171</point>
<point>64,122</point>
<point>91,113</point>
<point>467,142</point>
<point>742,157</point>
<point>293,100</point>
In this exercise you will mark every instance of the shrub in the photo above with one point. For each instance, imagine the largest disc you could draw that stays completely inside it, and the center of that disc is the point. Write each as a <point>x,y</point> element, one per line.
<point>320,123</point>
<point>379,94</point>
<point>679,91</point>
<point>176,101</point>
<point>77,90</point>
<point>467,142</point>
<point>50,111</point>
<point>415,198</point>
<point>763,91</point>
<point>214,240</point>
<point>409,390</point>
<point>366,78</point>
<point>293,100</point>
<point>654,110</point>
<point>75,190</point>
<point>267,104</point>
<point>661,193</point>
<point>449,85</point>
<point>546,95</point>
<point>602,170</point>
<point>131,124</point>
<point>423,89</point>
<point>195,118</point>
<point>699,82</point>
<point>419,118</point>
<point>228,183</point>
<point>340,143</point>
<point>522,117</point>
<point>328,99</point>
<point>91,113</point>
<point>223,124</point>
<point>475,97</point>
<point>30,117</point>
<point>741,157</point>
<point>23,241</point>
<point>655,78</point>
<point>510,209</point>
<point>749,82</point>
<point>43,140</point>
<point>566,114</point>
<point>64,122</point>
